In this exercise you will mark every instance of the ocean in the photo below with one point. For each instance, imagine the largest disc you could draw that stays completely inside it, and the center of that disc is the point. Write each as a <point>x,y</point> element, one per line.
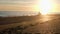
<point>17,13</point>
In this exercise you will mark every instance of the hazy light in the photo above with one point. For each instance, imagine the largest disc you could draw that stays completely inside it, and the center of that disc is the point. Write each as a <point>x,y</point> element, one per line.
<point>45,6</point>
<point>45,18</point>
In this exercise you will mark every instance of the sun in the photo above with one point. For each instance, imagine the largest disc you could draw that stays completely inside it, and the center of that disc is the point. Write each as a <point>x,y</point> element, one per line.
<point>45,6</point>
<point>44,12</point>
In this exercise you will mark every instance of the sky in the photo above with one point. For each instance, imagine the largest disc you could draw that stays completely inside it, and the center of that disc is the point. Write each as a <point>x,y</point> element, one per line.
<point>28,5</point>
<point>22,5</point>
<point>25,5</point>
<point>17,7</point>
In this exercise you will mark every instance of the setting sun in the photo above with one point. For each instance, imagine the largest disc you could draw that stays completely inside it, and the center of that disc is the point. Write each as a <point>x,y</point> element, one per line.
<point>45,6</point>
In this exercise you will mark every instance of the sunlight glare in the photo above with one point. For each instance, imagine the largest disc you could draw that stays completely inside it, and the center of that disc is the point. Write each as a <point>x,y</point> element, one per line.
<point>45,6</point>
